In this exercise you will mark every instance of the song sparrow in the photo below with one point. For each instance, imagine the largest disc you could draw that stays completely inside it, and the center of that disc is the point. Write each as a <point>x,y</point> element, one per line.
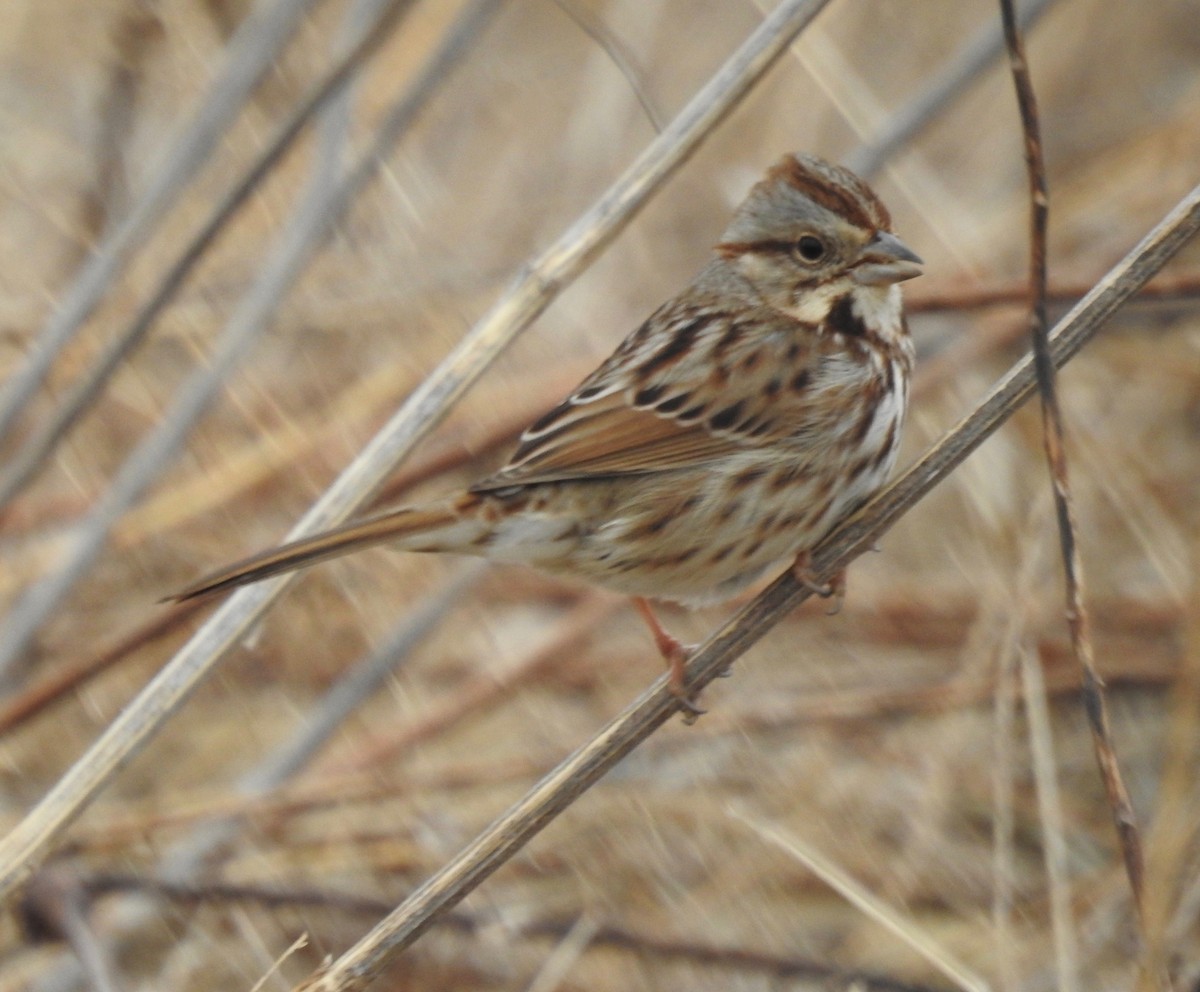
<point>727,434</point>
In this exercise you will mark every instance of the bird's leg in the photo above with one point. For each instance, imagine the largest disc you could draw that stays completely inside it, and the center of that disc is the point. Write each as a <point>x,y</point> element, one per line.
<point>675,654</point>
<point>835,589</point>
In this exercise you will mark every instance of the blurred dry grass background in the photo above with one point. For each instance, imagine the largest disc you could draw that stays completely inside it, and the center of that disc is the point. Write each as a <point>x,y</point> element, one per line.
<point>880,737</point>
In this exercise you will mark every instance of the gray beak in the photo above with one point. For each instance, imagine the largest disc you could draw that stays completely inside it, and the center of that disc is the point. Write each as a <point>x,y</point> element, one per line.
<point>885,260</point>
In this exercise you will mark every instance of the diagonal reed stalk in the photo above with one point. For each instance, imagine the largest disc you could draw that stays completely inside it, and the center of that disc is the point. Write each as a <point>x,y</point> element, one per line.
<point>513,829</point>
<point>329,194</point>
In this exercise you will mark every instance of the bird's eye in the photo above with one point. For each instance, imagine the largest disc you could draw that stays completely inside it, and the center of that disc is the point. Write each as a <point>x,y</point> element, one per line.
<point>810,249</point>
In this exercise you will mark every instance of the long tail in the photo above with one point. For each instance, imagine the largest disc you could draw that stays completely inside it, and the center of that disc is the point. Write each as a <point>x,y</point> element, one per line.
<point>395,526</point>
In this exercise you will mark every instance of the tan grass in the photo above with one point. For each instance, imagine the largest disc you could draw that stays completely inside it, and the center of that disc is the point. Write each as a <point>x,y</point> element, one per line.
<point>891,738</point>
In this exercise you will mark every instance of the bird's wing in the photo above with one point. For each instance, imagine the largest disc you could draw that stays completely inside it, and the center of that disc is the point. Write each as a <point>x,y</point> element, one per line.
<point>702,383</point>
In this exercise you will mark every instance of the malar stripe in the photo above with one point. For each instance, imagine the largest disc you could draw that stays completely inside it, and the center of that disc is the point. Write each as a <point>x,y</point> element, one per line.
<point>843,320</point>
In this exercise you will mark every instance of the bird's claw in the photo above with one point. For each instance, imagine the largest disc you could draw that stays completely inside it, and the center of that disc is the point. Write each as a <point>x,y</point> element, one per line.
<point>834,589</point>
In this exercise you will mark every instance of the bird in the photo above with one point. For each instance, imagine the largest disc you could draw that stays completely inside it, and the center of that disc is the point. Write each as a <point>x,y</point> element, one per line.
<point>725,436</point>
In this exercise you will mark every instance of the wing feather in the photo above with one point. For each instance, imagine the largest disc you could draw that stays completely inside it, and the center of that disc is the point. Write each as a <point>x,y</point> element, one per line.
<point>664,400</point>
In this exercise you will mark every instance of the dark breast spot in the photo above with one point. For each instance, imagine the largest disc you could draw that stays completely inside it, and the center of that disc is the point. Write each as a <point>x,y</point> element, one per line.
<point>786,478</point>
<point>751,549</point>
<point>859,467</point>
<point>791,521</point>
<point>746,477</point>
<point>863,427</point>
<point>889,442</point>
<point>728,510</point>
<point>763,528</point>
<point>889,376</point>
<point>655,526</point>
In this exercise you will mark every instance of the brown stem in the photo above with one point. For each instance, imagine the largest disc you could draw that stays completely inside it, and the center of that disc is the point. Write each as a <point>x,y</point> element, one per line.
<point>1053,436</point>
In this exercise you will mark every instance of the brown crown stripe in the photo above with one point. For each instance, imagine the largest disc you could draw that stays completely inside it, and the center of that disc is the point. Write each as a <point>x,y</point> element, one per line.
<point>837,190</point>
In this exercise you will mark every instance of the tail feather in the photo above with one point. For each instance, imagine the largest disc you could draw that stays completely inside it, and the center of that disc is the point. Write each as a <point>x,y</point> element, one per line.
<point>395,526</point>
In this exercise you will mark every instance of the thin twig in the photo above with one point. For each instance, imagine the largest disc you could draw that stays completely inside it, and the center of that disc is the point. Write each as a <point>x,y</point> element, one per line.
<point>1053,436</point>
<point>968,63</point>
<point>512,829</point>
<point>618,52</point>
<point>1181,288</point>
<point>27,844</point>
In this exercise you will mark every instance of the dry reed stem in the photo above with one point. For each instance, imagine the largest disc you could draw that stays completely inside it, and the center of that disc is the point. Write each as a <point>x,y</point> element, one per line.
<point>1053,436</point>
<point>252,53</point>
<point>327,196</point>
<point>1173,831</point>
<point>34,700</point>
<point>864,901</point>
<point>284,448</point>
<point>618,54</point>
<point>1050,816</point>
<point>204,848</point>
<point>320,205</point>
<point>22,467</point>
<point>513,828</point>
<point>490,687</point>
<point>1182,287</point>
<point>950,83</point>
<point>1004,816</point>
<point>24,848</point>
<point>296,946</point>
<point>566,952</point>
<point>334,784</point>
<point>729,958</point>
